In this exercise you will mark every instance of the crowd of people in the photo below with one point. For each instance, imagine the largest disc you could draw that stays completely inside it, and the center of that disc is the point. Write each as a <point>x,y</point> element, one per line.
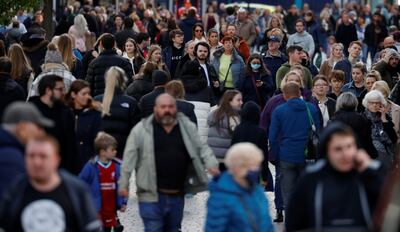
<point>183,103</point>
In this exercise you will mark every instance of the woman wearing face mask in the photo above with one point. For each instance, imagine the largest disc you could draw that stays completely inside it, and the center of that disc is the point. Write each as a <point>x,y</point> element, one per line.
<point>257,85</point>
<point>338,193</point>
<point>222,121</point>
<point>384,136</point>
<point>237,202</point>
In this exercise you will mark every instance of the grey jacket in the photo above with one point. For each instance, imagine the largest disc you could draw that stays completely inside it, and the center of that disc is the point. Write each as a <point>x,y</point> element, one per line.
<point>238,67</point>
<point>139,157</point>
<point>220,136</point>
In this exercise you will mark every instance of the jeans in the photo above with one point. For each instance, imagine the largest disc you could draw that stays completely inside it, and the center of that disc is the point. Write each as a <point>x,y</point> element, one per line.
<point>290,173</point>
<point>164,215</point>
<point>277,190</point>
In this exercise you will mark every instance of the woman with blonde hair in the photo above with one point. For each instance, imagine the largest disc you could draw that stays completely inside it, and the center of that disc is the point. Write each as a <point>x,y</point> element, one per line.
<point>120,112</point>
<point>370,79</point>
<point>336,56</point>
<point>66,48</point>
<point>79,31</point>
<point>21,70</point>
<point>156,57</point>
<point>275,23</point>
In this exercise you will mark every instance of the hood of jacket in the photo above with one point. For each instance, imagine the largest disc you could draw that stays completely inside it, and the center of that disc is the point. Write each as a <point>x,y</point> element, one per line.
<point>51,66</point>
<point>8,140</point>
<point>33,45</point>
<point>297,104</point>
<point>250,113</point>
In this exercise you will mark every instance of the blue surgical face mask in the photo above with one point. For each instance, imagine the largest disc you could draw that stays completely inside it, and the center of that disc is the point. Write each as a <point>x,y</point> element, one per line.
<point>255,66</point>
<point>253,177</point>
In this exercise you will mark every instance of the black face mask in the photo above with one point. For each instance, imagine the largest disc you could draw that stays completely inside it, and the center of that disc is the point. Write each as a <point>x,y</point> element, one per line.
<point>304,62</point>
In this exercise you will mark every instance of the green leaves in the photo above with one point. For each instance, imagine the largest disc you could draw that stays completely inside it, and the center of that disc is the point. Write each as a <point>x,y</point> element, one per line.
<point>9,8</point>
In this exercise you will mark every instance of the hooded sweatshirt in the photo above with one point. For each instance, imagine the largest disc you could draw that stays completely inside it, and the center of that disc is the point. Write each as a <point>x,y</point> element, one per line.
<point>289,129</point>
<point>304,40</point>
<point>285,68</point>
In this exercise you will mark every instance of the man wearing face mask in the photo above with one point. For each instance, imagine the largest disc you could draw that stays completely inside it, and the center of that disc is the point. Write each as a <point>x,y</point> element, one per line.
<point>170,160</point>
<point>288,133</point>
<point>50,103</point>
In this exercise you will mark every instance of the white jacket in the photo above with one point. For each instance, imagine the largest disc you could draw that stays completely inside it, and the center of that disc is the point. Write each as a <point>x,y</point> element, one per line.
<point>201,110</point>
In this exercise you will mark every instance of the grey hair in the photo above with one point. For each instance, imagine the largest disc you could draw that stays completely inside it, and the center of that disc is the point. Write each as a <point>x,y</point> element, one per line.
<point>374,95</point>
<point>80,24</point>
<point>240,154</point>
<point>347,101</point>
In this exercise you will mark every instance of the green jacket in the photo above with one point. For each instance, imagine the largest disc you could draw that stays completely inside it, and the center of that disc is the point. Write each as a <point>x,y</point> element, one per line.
<point>284,69</point>
<point>139,156</point>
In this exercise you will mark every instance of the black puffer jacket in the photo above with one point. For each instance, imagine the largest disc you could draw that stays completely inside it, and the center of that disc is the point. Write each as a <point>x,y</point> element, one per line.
<point>98,67</point>
<point>10,91</point>
<point>140,87</point>
<point>194,81</point>
<point>124,114</point>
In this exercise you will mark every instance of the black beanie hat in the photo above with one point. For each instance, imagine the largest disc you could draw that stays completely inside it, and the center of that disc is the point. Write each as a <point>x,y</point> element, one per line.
<point>159,78</point>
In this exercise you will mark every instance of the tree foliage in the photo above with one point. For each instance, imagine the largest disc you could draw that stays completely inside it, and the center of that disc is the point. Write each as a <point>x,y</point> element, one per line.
<point>9,8</point>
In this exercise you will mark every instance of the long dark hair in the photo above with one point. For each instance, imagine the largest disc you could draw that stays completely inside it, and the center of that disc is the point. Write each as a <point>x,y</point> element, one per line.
<point>194,30</point>
<point>225,109</point>
<point>263,69</point>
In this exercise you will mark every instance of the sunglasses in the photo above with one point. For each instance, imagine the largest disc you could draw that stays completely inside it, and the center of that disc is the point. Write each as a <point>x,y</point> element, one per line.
<point>198,30</point>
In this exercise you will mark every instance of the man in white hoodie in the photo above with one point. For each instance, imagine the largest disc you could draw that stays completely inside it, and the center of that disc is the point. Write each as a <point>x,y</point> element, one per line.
<point>302,38</point>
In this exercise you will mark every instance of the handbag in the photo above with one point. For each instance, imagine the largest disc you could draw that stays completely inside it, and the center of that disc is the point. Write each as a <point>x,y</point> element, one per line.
<point>249,215</point>
<point>222,85</point>
<point>311,150</point>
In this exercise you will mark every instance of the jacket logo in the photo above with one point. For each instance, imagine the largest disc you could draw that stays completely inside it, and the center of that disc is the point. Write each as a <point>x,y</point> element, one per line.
<point>125,105</point>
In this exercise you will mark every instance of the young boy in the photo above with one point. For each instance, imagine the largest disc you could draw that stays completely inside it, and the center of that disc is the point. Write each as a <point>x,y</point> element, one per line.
<point>336,79</point>
<point>102,174</point>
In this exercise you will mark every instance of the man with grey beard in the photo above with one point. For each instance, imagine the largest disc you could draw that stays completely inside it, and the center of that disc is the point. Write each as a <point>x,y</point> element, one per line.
<point>170,160</point>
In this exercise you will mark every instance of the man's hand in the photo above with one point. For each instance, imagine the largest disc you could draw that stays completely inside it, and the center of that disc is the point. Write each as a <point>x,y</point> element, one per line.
<point>362,161</point>
<point>216,84</point>
<point>124,193</point>
<point>213,171</point>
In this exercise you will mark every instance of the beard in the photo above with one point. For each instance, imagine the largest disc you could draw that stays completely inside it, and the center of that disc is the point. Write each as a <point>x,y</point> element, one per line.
<point>167,119</point>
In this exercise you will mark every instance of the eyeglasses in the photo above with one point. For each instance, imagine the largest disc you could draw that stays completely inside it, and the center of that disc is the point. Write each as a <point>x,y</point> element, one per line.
<point>61,89</point>
<point>374,103</point>
<point>198,30</point>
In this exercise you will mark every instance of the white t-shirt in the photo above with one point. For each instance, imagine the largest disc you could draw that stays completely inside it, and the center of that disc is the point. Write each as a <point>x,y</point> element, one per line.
<point>204,66</point>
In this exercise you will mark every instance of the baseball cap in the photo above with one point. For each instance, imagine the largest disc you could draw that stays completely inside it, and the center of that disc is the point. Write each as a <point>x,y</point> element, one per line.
<point>25,112</point>
<point>275,38</point>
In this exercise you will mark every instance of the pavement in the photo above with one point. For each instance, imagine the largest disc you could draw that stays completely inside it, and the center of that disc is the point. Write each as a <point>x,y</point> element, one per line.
<point>194,212</point>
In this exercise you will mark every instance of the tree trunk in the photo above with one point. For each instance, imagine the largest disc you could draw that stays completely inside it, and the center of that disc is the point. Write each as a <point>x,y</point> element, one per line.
<point>48,18</point>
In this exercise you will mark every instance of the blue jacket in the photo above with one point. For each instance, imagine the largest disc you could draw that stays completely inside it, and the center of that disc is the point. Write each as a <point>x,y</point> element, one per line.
<point>260,95</point>
<point>238,66</point>
<point>346,67</point>
<point>186,26</point>
<point>11,159</point>
<point>90,175</point>
<point>289,129</point>
<point>350,87</point>
<point>226,211</point>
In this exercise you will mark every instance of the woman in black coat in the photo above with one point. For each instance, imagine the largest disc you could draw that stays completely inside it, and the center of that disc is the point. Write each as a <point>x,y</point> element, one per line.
<point>257,85</point>
<point>120,112</point>
<point>346,106</point>
<point>87,119</point>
